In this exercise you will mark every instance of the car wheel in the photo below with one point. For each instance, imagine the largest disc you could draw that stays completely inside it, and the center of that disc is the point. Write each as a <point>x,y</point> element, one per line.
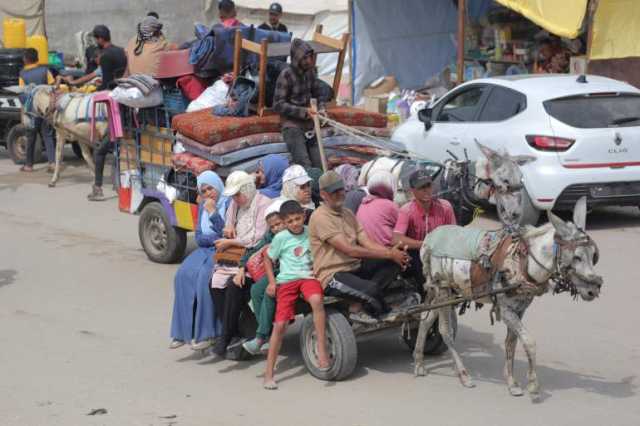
<point>17,145</point>
<point>162,242</point>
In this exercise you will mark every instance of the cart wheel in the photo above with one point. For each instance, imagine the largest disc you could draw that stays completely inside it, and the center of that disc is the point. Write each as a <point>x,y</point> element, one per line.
<point>341,345</point>
<point>161,242</point>
<point>434,345</point>
<point>17,145</point>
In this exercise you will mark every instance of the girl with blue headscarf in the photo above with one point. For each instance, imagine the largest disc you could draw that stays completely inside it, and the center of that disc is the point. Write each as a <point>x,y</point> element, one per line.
<point>269,174</point>
<point>192,280</point>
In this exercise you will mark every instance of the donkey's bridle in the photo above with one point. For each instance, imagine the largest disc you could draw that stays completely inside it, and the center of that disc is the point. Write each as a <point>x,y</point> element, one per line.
<point>561,274</point>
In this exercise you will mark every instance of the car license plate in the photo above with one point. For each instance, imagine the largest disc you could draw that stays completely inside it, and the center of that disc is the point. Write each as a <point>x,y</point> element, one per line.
<point>10,103</point>
<point>629,189</point>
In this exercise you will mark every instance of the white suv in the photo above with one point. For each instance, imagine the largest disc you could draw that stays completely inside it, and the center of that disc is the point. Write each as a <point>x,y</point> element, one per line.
<point>583,130</point>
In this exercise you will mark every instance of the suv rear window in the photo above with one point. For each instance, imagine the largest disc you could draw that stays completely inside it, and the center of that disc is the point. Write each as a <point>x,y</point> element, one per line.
<point>596,110</point>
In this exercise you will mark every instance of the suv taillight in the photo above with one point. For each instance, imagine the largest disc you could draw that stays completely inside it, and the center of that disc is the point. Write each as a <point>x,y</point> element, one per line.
<point>549,143</point>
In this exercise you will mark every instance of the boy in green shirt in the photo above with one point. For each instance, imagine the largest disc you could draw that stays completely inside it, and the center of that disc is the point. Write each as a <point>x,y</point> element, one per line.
<point>291,248</point>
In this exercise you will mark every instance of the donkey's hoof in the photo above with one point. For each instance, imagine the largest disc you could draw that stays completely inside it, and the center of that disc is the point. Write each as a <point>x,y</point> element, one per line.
<point>516,390</point>
<point>419,370</point>
<point>52,184</point>
<point>534,392</point>
<point>465,379</point>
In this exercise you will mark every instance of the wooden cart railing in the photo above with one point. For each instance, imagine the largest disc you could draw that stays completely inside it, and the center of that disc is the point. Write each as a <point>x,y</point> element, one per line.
<point>265,50</point>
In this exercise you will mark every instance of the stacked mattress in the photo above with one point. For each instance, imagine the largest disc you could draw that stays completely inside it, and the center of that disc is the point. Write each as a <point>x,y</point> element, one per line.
<point>238,143</point>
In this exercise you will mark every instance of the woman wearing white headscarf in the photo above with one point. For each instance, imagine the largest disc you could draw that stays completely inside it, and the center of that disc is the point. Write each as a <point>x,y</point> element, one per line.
<point>192,279</point>
<point>245,227</point>
<point>296,185</point>
<point>378,213</point>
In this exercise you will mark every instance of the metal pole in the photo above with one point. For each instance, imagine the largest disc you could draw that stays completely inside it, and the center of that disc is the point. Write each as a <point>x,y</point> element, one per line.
<point>462,11</point>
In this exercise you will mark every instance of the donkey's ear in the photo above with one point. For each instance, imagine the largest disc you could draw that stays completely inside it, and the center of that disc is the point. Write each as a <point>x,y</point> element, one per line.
<point>488,152</point>
<point>561,228</point>
<point>580,213</point>
<point>521,160</point>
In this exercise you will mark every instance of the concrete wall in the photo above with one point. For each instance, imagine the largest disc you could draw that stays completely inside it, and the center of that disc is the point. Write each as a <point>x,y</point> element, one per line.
<point>64,18</point>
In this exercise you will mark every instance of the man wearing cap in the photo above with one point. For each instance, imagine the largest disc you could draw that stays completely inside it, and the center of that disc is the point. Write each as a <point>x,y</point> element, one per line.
<point>113,60</point>
<point>346,261</point>
<point>274,24</point>
<point>420,216</point>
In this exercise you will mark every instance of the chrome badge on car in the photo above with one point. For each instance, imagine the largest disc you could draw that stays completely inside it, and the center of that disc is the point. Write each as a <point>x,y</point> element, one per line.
<point>617,139</point>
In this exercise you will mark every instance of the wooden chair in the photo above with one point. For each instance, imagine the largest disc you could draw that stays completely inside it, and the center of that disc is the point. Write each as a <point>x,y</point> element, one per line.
<point>265,50</point>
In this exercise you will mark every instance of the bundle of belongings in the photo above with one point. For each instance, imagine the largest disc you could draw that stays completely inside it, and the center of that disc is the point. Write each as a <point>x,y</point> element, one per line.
<point>138,91</point>
<point>231,143</point>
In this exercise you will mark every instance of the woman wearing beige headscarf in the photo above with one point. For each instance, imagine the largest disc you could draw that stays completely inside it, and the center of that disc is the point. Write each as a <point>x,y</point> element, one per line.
<point>245,226</point>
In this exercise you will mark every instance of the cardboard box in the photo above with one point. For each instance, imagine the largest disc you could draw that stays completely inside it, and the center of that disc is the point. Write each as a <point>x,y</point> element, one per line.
<point>376,104</point>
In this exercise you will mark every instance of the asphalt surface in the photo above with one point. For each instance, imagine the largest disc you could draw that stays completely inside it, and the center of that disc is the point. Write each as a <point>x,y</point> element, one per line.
<point>84,321</point>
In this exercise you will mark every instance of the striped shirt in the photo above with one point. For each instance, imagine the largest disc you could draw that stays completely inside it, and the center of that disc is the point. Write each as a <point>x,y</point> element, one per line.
<point>413,223</point>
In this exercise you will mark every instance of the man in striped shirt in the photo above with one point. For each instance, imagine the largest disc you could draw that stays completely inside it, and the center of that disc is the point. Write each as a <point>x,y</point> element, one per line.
<point>420,216</point>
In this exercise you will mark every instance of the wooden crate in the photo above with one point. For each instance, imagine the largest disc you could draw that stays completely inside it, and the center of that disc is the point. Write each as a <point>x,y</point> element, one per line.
<point>156,146</point>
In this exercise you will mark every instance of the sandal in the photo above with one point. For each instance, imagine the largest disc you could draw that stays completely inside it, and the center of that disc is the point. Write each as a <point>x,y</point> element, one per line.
<point>270,385</point>
<point>26,169</point>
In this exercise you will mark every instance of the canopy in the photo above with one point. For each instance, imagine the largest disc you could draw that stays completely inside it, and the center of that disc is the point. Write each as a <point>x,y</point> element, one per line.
<point>563,18</point>
<point>412,40</point>
<point>615,30</point>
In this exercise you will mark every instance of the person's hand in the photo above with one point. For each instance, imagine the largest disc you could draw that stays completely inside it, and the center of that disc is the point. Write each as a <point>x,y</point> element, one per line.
<point>311,112</point>
<point>271,289</point>
<point>238,279</point>
<point>229,231</point>
<point>210,205</point>
<point>223,244</point>
<point>399,255</point>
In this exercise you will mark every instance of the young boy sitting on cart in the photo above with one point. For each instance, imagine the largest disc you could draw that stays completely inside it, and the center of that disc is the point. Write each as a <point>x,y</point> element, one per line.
<point>291,248</point>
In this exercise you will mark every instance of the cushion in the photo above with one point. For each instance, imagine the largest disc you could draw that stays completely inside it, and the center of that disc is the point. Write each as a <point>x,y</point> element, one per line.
<point>357,117</point>
<point>186,161</point>
<point>207,129</point>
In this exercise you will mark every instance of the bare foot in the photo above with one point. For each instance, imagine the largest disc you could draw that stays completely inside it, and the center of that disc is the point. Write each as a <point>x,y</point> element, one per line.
<point>270,384</point>
<point>27,169</point>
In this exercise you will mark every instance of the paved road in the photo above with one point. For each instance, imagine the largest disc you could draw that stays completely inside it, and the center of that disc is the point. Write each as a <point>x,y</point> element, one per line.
<point>84,318</point>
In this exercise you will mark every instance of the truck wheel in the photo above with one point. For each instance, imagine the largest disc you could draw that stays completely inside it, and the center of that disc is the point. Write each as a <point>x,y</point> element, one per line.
<point>161,242</point>
<point>434,345</point>
<point>17,145</point>
<point>341,345</point>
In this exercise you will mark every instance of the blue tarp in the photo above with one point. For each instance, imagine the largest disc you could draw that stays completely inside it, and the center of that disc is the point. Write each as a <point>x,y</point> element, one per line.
<point>412,40</point>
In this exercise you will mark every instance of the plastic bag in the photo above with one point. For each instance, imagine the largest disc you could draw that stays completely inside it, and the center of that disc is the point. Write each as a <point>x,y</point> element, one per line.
<point>213,95</point>
<point>133,97</point>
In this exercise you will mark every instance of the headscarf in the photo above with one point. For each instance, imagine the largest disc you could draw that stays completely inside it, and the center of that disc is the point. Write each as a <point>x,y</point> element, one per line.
<point>290,192</point>
<point>349,175</point>
<point>273,166</point>
<point>212,179</point>
<point>148,30</point>
<point>382,184</point>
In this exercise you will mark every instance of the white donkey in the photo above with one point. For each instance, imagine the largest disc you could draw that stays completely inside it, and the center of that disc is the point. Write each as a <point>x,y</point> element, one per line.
<point>558,254</point>
<point>70,115</point>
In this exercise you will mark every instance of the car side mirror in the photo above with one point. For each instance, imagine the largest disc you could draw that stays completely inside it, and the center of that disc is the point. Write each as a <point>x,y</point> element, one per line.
<point>424,115</point>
